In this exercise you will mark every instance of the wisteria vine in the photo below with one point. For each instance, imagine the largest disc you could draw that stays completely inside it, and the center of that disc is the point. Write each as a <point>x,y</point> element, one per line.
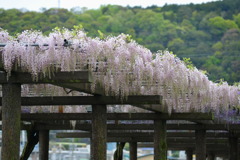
<point>120,66</point>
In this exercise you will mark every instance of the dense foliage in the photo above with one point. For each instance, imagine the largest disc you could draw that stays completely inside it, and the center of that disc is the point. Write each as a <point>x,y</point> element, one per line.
<point>207,33</point>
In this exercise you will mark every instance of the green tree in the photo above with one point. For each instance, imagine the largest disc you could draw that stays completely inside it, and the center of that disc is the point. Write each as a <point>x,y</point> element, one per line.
<point>176,44</point>
<point>218,26</point>
<point>237,19</point>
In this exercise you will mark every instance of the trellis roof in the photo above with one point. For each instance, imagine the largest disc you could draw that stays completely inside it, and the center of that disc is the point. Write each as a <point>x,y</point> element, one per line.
<point>115,66</point>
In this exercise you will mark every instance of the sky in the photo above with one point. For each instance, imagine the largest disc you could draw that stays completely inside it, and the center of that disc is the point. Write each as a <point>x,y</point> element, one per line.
<point>33,5</point>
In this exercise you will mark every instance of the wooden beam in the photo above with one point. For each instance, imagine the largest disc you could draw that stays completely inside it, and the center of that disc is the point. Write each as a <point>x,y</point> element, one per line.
<point>204,127</point>
<point>65,125</point>
<point>43,144</point>
<point>192,141</point>
<point>192,134</point>
<point>200,144</point>
<point>58,77</point>
<point>99,132</point>
<point>112,116</point>
<point>83,87</point>
<point>74,135</point>
<point>160,116</point>
<point>185,146</point>
<point>11,117</point>
<point>173,146</point>
<point>99,91</point>
<point>134,134</point>
<point>129,139</point>
<point>88,100</point>
<point>174,135</point>
<point>113,137</point>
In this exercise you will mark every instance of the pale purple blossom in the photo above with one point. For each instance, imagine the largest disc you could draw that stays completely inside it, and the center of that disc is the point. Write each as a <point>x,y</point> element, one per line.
<point>121,67</point>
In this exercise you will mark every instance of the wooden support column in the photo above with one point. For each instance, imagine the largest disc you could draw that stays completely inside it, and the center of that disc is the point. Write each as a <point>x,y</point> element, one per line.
<point>118,154</point>
<point>99,132</point>
<point>43,144</point>
<point>160,140</point>
<point>189,154</point>
<point>233,147</point>
<point>91,148</point>
<point>32,141</point>
<point>133,150</point>
<point>211,156</point>
<point>200,144</point>
<point>11,119</point>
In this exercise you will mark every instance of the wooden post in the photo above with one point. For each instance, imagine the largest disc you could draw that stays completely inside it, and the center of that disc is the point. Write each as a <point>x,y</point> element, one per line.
<point>233,147</point>
<point>133,150</point>
<point>200,144</point>
<point>11,120</point>
<point>43,144</point>
<point>118,154</point>
<point>91,148</point>
<point>32,140</point>
<point>99,132</point>
<point>160,140</point>
<point>189,154</point>
<point>211,156</point>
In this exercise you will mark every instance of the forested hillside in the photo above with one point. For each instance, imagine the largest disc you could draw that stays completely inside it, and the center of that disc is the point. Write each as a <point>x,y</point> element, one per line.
<point>207,33</point>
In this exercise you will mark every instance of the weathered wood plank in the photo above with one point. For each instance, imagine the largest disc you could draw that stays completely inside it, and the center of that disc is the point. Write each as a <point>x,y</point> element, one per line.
<point>146,139</point>
<point>11,117</point>
<point>83,87</point>
<point>210,147</point>
<point>58,77</point>
<point>115,137</point>
<point>219,137</point>
<point>115,116</point>
<point>65,125</point>
<point>100,91</point>
<point>87,100</point>
<point>164,116</point>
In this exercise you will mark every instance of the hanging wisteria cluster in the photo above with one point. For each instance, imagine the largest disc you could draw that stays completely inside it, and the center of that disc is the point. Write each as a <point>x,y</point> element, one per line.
<point>120,66</point>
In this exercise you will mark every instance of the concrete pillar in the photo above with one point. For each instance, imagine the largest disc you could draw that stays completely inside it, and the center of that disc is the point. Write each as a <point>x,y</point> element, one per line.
<point>11,120</point>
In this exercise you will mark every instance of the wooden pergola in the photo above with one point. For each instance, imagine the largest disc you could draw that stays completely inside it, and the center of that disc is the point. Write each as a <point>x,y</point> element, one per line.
<point>197,133</point>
